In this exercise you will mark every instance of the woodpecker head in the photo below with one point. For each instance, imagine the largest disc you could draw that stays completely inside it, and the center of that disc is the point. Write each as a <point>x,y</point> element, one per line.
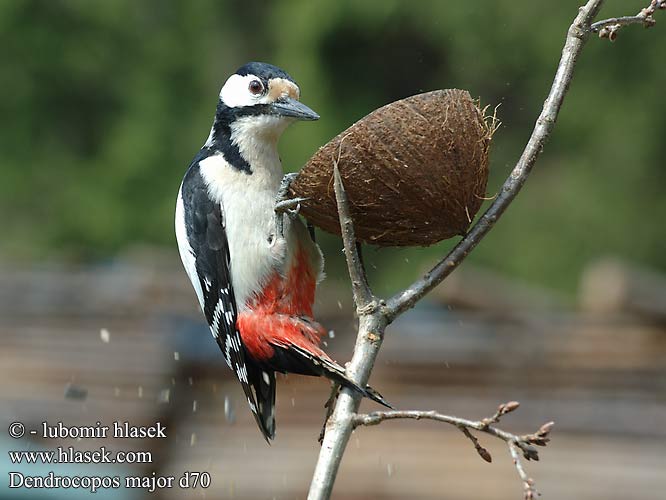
<point>256,105</point>
<point>262,99</point>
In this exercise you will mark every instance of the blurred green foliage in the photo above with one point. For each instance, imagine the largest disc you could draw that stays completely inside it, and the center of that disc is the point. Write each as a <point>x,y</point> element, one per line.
<point>105,103</point>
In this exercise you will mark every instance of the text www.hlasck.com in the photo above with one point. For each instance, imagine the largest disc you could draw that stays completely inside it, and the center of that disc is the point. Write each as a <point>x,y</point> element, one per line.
<point>71,456</point>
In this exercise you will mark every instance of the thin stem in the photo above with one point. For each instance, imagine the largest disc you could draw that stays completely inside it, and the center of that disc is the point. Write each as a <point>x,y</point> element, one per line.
<point>340,424</point>
<point>377,417</point>
<point>528,484</point>
<point>363,296</point>
<point>608,28</point>
<point>518,444</point>
<point>624,21</point>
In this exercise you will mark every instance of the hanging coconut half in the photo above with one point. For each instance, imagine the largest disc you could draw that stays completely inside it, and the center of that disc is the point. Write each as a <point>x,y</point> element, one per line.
<point>415,171</point>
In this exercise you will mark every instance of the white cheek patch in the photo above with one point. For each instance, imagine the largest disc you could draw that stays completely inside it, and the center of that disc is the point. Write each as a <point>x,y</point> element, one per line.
<point>236,93</point>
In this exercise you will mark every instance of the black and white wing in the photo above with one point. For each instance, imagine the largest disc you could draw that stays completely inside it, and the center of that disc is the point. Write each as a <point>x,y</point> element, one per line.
<point>204,250</point>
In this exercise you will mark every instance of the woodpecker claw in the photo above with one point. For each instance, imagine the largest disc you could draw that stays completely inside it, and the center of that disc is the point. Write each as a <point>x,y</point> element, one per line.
<point>287,180</point>
<point>290,207</point>
<point>285,206</point>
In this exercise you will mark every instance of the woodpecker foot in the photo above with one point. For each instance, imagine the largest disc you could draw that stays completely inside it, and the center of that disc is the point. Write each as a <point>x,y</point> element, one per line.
<point>290,207</point>
<point>284,205</point>
<point>287,180</point>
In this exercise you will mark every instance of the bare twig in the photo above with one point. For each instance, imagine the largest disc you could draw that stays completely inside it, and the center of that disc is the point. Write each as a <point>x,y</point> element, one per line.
<point>372,323</point>
<point>483,453</point>
<point>502,410</point>
<point>518,444</point>
<point>608,28</point>
<point>528,483</point>
<point>576,37</point>
<point>525,442</point>
<point>363,296</point>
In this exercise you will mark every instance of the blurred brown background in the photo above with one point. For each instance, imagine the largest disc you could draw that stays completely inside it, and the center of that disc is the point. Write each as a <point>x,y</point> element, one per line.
<point>562,307</point>
<point>130,336</point>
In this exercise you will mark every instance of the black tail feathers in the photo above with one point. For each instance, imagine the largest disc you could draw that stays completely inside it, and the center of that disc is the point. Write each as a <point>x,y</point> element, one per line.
<point>333,371</point>
<point>375,396</point>
<point>336,373</point>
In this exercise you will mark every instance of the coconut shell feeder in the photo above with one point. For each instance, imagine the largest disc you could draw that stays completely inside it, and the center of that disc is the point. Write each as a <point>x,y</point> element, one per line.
<point>415,171</point>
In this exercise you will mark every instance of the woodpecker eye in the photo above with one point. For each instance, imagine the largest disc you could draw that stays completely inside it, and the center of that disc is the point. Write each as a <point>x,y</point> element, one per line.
<point>256,87</point>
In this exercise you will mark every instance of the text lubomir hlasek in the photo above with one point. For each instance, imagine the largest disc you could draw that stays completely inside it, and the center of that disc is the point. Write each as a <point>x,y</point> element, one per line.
<point>119,430</point>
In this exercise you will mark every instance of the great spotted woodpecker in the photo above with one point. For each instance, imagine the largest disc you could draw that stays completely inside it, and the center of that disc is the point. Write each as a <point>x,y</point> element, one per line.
<point>254,272</point>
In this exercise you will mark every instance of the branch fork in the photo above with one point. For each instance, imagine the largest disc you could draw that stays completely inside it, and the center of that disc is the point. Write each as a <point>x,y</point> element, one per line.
<point>609,28</point>
<point>518,445</point>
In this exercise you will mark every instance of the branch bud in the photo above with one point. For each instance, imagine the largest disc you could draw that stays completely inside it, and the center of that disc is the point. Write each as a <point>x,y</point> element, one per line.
<point>530,453</point>
<point>505,408</point>
<point>485,454</point>
<point>545,429</point>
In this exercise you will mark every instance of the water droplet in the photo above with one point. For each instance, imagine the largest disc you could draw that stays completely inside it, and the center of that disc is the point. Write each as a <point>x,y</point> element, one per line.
<point>164,396</point>
<point>76,392</point>
<point>105,335</point>
<point>228,410</point>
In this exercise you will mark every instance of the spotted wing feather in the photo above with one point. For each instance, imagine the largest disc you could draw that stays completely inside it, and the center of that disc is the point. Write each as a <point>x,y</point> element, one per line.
<point>204,223</point>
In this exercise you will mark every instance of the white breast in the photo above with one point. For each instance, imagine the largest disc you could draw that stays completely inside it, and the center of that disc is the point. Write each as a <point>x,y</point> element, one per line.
<point>247,204</point>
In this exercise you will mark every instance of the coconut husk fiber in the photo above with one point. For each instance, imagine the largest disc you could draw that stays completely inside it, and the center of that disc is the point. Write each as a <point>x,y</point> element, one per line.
<point>415,171</point>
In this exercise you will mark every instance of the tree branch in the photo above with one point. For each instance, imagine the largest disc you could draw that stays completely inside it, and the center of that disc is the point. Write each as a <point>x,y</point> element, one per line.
<point>517,444</point>
<point>525,442</point>
<point>528,484</point>
<point>608,28</point>
<point>363,296</point>
<point>576,37</point>
<point>372,323</point>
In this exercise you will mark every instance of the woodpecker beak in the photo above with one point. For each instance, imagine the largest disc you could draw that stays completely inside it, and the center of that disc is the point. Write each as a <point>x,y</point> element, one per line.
<point>291,108</point>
